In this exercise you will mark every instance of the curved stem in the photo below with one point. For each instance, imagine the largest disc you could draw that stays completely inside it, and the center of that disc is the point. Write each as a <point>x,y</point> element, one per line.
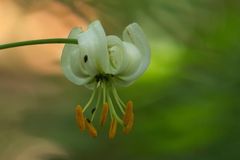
<point>38,41</point>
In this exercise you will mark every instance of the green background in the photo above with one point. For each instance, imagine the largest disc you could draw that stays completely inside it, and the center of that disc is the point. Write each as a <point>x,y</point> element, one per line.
<point>186,104</point>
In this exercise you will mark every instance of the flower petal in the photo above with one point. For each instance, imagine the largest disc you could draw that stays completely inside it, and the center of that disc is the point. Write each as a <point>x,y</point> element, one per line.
<point>116,54</point>
<point>131,62</point>
<point>93,45</point>
<point>71,64</point>
<point>132,59</point>
<point>134,34</point>
<point>125,59</point>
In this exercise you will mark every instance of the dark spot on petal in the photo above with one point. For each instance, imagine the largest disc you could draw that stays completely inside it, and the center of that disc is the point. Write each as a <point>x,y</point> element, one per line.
<point>85,58</point>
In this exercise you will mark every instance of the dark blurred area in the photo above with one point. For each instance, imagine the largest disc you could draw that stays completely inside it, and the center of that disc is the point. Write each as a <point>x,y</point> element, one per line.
<point>186,104</point>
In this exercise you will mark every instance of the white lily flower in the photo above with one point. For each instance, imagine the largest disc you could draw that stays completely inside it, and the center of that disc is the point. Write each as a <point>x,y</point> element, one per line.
<point>101,63</point>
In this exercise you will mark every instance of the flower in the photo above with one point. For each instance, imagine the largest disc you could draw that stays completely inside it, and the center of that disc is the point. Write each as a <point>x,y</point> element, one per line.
<point>102,63</point>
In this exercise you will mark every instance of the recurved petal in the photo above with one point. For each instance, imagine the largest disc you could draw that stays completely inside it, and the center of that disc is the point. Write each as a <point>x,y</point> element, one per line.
<point>134,35</point>
<point>93,45</point>
<point>132,60</point>
<point>116,54</point>
<point>71,61</point>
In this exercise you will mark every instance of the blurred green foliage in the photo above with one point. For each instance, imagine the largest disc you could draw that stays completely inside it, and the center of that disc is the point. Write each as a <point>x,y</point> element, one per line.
<point>187,103</point>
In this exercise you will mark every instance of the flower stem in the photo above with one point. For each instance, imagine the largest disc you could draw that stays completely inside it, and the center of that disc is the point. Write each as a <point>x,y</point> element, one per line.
<point>38,41</point>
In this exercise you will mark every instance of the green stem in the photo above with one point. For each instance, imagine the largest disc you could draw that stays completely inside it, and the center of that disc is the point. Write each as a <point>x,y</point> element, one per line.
<point>38,41</point>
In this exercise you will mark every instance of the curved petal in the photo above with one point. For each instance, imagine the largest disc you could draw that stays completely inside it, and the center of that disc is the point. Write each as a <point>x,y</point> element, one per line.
<point>134,34</point>
<point>120,82</point>
<point>93,45</point>
<point>132,60</point>
<point>116,53</point>
<point>91,85</point>
<point>71,64</point>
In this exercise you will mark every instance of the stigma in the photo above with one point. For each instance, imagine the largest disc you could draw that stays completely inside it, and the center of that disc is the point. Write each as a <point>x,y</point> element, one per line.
<point>106,105</point>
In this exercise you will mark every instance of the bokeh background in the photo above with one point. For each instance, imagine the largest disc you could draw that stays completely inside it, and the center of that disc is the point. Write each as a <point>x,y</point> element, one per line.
<point>186,104</point>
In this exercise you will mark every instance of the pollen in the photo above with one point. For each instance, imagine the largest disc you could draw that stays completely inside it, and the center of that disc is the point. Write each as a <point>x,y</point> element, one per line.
<point>128,113</point>
<point>80,117</point>
<point>104,114</point>
<point>128,118</point>
<point>91,130</point>
<point>113,129</point>
<point>129,126</point>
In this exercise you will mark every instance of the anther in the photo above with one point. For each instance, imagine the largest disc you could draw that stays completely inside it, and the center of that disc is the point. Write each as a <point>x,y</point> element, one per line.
<point>91,130</point>
<point>104,114</point>
<point>113,129</point>
<point>129,126</point>
<point>128,113</point>
<point>128,118</point>
<point>80,117</point>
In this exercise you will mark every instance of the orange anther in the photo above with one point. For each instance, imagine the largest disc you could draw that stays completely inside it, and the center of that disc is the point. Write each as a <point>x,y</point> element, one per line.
<point>91,130</point>
<point>113,129</point>
<point>80,117</point>
<point>129,125</point>
<point>128,113</point>
<point>128,118</point>
<point>104,114</point>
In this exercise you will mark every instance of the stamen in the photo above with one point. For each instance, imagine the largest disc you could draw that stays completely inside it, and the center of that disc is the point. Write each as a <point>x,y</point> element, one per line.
<point>90,100</point>
<point>128,118</point>
<point>97,104</point>
<point>112,110</point>
<point>113,129</point>
<point>91,130</point>
<point>104,92</point>
<point>117,99</point>
<point>128,113</point>
<point>129,126</point>
<point>104,114</point>
<point>117,96</point>
<point>80,117</point>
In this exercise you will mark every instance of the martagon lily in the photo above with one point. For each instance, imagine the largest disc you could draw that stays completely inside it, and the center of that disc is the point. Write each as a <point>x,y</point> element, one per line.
<point>102,63</point>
